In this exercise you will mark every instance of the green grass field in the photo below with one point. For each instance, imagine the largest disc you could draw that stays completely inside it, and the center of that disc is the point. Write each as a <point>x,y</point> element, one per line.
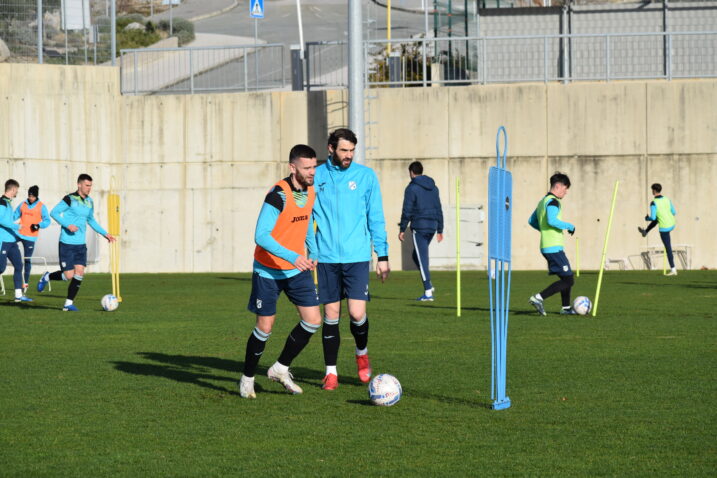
<point>150,390</point>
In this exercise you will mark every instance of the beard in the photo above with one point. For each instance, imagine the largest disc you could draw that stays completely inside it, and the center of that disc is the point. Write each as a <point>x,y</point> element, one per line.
<point>304,181</point>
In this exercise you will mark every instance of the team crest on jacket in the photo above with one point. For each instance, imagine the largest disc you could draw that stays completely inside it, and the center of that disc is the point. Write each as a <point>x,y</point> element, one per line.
<point>352,185</point>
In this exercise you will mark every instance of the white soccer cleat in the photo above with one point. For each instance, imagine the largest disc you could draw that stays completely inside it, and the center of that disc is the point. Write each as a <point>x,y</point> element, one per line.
<point>246,387</point>
<point>284,378</point>
<point>672,272</point>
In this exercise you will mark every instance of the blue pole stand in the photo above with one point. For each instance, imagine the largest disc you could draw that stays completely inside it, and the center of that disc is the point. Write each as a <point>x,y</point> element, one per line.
<point>500,206</point>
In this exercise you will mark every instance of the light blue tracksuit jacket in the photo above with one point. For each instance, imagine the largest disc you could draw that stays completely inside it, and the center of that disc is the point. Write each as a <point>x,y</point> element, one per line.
<point>348,211</point>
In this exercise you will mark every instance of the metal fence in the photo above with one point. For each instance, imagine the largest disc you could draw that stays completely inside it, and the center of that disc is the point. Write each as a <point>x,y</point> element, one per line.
<point>575,57</point>
<point>72,32</point>
<point>202,69</point>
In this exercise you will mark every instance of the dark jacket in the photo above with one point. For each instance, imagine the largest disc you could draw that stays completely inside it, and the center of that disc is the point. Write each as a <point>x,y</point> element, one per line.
<point>422,206</point>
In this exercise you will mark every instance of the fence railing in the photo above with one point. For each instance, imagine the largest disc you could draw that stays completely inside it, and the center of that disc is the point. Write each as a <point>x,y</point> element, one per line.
<point>529,58</point>
<point>202,69</point>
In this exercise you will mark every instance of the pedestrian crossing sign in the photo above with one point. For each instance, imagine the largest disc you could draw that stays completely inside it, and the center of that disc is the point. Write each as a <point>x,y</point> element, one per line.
<point>256,8</point>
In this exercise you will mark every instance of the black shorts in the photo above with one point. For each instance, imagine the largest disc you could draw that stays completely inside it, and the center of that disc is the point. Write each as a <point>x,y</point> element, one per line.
<point>343,281</point>
<point>300,290</point>
<point>558,264</point>
<point>72,255</point>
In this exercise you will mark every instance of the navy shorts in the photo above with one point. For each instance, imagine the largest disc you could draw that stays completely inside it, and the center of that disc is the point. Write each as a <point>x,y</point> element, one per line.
<point>343,281</point>
<point>72,255</point>
<point>300,290</point>
<point>558,264</point>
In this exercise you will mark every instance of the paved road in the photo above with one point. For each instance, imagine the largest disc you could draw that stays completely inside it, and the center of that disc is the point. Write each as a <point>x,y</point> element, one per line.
<point>322,19</point>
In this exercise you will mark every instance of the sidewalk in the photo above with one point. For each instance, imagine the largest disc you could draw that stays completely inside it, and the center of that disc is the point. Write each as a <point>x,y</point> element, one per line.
<point>195,10</point>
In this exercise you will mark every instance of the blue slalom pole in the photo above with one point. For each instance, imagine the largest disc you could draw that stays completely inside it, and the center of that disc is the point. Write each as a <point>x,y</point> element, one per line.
<point>500,205</point>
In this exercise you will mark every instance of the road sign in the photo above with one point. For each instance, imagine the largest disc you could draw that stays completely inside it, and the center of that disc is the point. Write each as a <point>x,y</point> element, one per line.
<point>256,8</point>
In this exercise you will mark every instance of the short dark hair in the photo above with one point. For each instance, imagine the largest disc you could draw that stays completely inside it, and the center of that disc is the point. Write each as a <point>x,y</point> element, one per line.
<point>84,177</point>
<point>559,177</point>
<point>342,133</point>
<point>301,151</point>
<point>657,187</point>
<point>34,191</point>
<point>416,168</point>
<point>11,183</point>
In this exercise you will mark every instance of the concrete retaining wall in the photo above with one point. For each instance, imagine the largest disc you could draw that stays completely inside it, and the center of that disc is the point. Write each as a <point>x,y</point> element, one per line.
<point>193,170</point>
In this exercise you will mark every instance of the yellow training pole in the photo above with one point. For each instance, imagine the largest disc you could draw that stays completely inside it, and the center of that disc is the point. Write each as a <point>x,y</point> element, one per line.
<point>577,256</point>
<point>458,247</point>
<point>388,28</point>
<point>113,216</point>
<point>604,249</point>
<point>664,261</point>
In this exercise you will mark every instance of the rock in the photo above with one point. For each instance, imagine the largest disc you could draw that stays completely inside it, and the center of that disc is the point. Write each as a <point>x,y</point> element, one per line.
<point>134,26</point>
<point>51,21</point>
<point>4,51</point>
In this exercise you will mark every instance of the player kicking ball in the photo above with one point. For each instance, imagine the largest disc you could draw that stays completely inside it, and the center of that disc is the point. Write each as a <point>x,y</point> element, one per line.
<point>74,212</point>
<point>283,233</point>
<point>547,219</point>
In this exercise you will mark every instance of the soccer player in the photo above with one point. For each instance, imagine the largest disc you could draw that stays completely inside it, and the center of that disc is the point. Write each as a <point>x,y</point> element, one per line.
<point>9,238</point>
<point>349,218</point>
<point>662,212</point>
<point>422,208</point>
<point>74,212</point>
<point>547,218</point>
<point>283,233</point>
<point>33,216</point>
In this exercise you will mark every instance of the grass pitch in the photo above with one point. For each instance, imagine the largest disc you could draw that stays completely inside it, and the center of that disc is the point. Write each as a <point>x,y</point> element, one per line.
<point>150,390</point>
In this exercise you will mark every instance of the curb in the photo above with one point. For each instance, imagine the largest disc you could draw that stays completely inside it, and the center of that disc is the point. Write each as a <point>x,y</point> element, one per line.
<point>214,14</point>
<point>400,9</point>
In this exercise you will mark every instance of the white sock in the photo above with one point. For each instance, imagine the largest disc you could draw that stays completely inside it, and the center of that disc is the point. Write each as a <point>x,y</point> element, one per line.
<point>331,369</point>
<point>674,269</point>
<point>247,379</point>
<point>362,351</point>
<point>280,368</point>
<point>429,292</point>
<point>538,296</point>
<point>68,302</point>
<point>18,292</point>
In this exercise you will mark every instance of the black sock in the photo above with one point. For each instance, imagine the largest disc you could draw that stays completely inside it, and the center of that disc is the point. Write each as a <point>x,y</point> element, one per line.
<point>331,340</point>
<point>565,295</point>
<point>57,275</point>
<point>360,332</point>
<point>254,348</point>
<point>565,282</point>
<point>74,287</point>
<point>296,341</point>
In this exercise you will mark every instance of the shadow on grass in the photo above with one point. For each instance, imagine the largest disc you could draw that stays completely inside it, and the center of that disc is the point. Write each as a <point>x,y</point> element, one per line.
<point>688,285</point>
<point>200,371</point>
<point>28,306</point>
<point>243,279</point>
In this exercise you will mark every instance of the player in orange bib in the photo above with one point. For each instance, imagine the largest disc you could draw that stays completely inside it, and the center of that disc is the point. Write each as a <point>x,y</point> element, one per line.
<point>283,260</point>
<point>33,216</point>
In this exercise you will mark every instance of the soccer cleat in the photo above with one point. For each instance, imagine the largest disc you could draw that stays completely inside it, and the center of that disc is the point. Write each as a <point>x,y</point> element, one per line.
<point>246,388</point>
<point>569,311</point>
<point>538,304</point>
<point>285,379</point>
<point>642,231</point>
<point>425,298</point>
<point>364,368</point>
<point>43,281</point>
<point>23,299</point>
<point>672,272</point>
<point>331,382</point>
<point>70,308</point>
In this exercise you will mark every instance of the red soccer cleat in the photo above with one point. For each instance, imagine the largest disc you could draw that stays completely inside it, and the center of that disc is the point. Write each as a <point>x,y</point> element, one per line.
<point>364,368</point>
<point>331,382</point>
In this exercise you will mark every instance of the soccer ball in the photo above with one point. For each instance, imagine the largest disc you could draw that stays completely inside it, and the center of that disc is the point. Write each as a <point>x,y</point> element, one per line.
<point>384,390</point>
<point>109,302</point>
<point>582,305</point>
